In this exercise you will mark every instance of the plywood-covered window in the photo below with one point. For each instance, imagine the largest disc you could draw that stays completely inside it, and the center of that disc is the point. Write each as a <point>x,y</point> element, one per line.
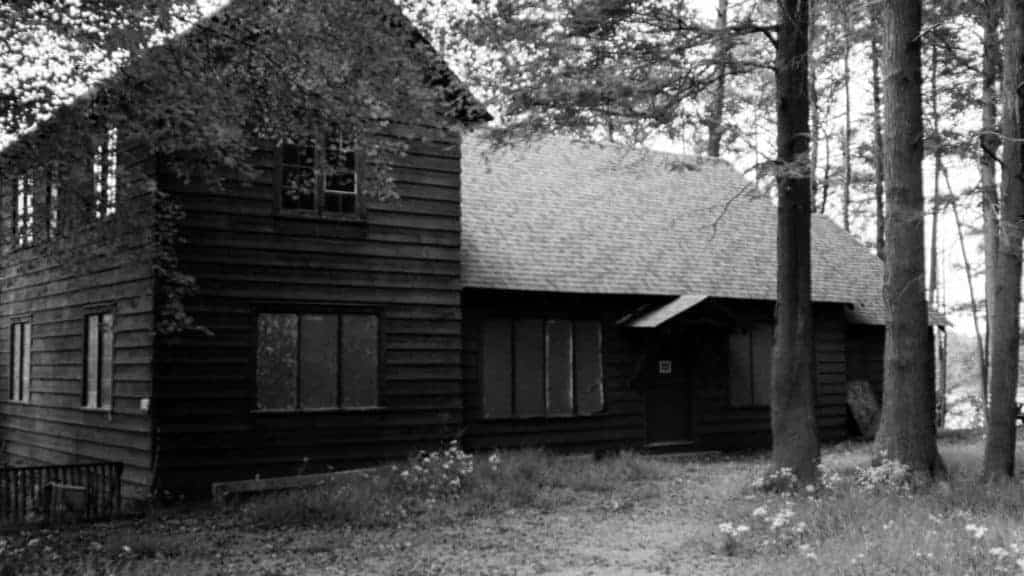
<point>104,175</point>
<point>317,361</point>
<point>536,367</point>
<point>319,176</point>
<point>750,365</point>
<point>98,385</point>
<point>21,361</point>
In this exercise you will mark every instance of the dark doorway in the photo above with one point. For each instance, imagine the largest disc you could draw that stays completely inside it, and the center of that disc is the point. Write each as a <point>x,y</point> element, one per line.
<point>668,401</point>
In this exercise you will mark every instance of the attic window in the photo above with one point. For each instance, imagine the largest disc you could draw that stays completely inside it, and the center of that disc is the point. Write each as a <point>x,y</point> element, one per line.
<point>319,176</point>
<point>104,175</point>
<point>24,217</point>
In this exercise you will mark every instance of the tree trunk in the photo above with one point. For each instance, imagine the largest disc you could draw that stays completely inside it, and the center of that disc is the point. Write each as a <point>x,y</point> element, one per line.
<point>717,108</point>
<point>876,128</point>
<point>794,427</point>
<point>907,429</point>
<point>933,267</point>
<point>987,166</point>
<point>847,130</point>
<point>812,92</point>
<point>1001,437</point>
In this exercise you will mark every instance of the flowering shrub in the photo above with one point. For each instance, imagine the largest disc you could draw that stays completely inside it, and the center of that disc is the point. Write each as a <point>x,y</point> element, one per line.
<point>781,480</point>
<point>769,529</point>
<point>439,474</point>
<point>888,475</point>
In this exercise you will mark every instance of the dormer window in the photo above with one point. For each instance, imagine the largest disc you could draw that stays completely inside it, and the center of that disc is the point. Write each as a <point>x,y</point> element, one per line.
<point>319,176</point>
<point>104,175</point>
<point>24,211</point>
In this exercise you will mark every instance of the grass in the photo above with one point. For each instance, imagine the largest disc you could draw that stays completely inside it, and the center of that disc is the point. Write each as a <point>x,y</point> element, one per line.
<point>537,512</point>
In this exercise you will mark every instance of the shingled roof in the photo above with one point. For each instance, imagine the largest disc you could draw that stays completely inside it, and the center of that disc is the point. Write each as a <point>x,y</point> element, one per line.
<point>559,215</point>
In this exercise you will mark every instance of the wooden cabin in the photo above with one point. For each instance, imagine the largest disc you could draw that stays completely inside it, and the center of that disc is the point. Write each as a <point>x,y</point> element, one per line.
<point>617,297</point>
<point>552,294</point>
<point>330,318</point>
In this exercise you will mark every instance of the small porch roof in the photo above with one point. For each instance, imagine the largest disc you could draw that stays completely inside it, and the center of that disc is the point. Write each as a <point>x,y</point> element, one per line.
<point>660,315</point>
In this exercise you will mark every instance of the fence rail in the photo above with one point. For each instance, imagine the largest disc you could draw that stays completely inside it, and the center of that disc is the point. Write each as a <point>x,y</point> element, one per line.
<point>59,493</point>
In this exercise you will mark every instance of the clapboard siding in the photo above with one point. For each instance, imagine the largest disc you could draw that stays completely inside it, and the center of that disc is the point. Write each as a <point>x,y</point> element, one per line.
<point>54,284</point>
<point>401,261</point>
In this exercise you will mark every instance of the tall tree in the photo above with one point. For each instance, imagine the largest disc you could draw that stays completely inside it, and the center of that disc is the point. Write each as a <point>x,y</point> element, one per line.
<point>1005,331</point>
<point>847,122</point>
<point>907,429</point>
<point>794,428</point>
<point>879,146</point>
<point>716,110</point>
<point>991,11</point>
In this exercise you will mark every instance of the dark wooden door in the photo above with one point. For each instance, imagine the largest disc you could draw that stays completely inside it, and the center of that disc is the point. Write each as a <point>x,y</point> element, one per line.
<point>668,403</point>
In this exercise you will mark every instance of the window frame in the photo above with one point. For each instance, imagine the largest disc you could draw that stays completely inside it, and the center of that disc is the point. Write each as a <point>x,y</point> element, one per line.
<point>20,391</point>
<point>52,192</point>
<point>755,373</point>
<point>23,224</point>
<point>321,172</point>
<point>104,174</point>
<point>522,410</point>
<point>87,402</point>
<point>324,310</point>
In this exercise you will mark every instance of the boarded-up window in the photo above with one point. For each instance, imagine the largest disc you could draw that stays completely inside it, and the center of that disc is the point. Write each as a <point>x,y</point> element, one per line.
<point>318,371</point>
<point>315,361</point>
<point>98,389</point>
<point>558,378</point>
<point>21,361</point>
<point>750,363</point>
<point>359,360</point>
<point>531,367</point>
<point>761,371</point>
<point>588,372</point>
<point>496,368</point>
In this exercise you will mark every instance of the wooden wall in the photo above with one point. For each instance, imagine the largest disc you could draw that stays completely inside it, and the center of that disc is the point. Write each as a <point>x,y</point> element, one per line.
<point>402,262</point>
<point>54,284</point>
<point>866,354</point>
<point>629,356</point>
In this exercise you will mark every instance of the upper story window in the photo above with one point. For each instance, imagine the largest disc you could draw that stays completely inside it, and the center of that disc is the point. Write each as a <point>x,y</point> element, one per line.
<point>24,211</point>
<point>104,175</point>
<point>319,176</point>
<point>52,205</point>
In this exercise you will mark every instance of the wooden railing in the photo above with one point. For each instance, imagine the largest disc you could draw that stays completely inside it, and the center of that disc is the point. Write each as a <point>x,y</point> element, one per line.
<point>73,492</point>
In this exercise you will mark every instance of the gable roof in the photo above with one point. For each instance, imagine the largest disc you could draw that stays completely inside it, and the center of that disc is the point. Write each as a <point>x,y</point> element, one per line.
<point>559,215</point>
